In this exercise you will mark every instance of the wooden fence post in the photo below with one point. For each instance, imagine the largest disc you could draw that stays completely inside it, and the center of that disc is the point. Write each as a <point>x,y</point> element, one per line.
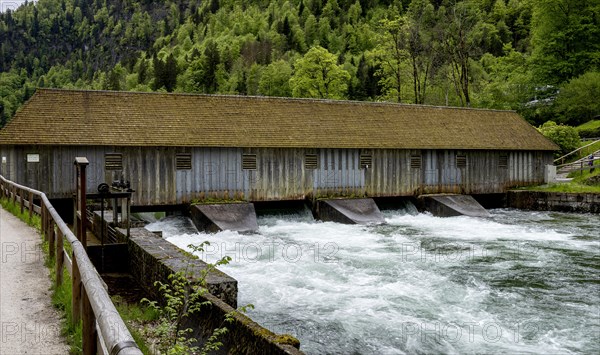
<point>30,205</point>
<point>14,195</point>
<point>76,291</point>
<point>60,257</point>
<point>21,193</point>
<point>51,240</point>
<point>89,333</point>
<point>45,224</point>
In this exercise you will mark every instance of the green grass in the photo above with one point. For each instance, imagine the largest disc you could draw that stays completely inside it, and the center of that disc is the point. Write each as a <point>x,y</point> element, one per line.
<point>134,313</point>
<point>571,187</point>
<point>593,124</point>
<point>61,300</point>
<point>15,209</point>
<point>579,184</point>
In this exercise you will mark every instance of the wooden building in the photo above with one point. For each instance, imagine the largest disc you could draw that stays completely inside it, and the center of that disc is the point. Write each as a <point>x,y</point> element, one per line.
<point>177,148</point>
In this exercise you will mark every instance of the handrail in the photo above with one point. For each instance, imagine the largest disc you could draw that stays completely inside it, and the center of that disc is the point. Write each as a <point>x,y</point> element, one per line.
<point>575,151</point>
<point>577,162</point>
<point>101,312</point>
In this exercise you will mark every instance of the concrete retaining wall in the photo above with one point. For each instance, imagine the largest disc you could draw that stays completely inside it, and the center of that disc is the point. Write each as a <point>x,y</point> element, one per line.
<point>151,258</point>
<point>554,201</point>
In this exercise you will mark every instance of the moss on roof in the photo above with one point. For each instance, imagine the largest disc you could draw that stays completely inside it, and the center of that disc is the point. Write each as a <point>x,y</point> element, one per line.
<point>77,117</point>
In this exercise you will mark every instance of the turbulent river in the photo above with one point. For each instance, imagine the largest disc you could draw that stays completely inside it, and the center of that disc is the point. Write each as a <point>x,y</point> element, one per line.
<point>518,282</point>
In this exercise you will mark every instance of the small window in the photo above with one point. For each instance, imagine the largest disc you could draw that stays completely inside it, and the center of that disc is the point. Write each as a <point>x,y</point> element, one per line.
<point>366,161</point>
<point>311,161</point>
<point>113,161</point>
<point>415,162</point>
<point>461,161</point>
<point>249,161</point>
<point>503,161</point>
<point>183,161</point>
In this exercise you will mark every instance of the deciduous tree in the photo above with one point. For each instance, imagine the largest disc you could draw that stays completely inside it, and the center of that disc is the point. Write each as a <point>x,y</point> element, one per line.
<point>318,75</point>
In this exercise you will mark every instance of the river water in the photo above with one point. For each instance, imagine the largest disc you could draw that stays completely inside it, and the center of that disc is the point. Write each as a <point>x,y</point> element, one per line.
<point>518,282</point>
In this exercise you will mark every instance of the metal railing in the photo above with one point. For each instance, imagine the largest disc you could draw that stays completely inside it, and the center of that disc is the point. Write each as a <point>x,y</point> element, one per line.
<point>104,331</point>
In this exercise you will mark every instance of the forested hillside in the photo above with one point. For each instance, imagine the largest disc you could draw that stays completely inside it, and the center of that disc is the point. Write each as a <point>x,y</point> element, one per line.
<point>540,57</point>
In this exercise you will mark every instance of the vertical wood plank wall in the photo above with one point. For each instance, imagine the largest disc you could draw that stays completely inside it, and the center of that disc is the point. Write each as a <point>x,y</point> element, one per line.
<point>280,174</point>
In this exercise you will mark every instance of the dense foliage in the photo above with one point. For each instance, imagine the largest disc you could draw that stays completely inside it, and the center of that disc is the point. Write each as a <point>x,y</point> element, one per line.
<point>565,137</point>
<point>540,57</point>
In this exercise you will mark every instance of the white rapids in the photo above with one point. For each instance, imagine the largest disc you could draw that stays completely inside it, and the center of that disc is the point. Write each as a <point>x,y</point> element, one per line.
<point>518,282</point>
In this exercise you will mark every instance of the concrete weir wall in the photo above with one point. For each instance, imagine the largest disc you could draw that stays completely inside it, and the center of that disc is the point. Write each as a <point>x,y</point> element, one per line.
<point>349,211</point>
<point>554,201</point>
<point>239,217</point>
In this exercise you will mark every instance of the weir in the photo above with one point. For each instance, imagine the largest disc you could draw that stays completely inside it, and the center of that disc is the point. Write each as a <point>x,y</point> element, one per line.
<point>449,205</point>
<point>239,217</point>
<point>349,211</point>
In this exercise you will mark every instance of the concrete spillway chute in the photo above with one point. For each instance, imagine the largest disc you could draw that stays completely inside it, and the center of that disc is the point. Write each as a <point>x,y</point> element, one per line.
<point>449,205</point>
<point>349,211</point>
<point>239,217</point>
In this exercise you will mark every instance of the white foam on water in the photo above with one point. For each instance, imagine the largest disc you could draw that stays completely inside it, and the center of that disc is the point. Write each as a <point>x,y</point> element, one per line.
<point>420,284</point>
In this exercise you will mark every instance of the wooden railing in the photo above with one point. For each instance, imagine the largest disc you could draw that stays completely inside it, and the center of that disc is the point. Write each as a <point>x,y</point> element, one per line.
<point>104,332</point>
<point>562,159</point>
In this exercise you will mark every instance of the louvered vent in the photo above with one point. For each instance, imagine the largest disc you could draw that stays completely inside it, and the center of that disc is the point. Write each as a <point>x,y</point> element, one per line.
<point>415,162</point>
<point>366,161</point>
<point>249,161</point>
<point>311,161</point>
<point>113,161</point>
<point>503,161</point>
<point>461,161</point>
<point>183,161</point>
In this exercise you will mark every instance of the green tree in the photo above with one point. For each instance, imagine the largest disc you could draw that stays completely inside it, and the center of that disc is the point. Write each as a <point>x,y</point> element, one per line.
<point>275,79</point>
<point>318,75</point>
<point>165,73</point>
<point>508,83</point>
<point>460,33</point>
<point>421,47</point>
<point>578,100</point>
<point>391,55</point>
<point>565,39</point>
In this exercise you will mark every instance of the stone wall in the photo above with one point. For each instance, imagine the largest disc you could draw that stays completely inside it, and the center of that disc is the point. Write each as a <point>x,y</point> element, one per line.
<point>554,201</point>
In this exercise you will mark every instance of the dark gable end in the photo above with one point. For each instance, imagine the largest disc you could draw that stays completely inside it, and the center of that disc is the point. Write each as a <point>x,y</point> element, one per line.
<point>104,118</point>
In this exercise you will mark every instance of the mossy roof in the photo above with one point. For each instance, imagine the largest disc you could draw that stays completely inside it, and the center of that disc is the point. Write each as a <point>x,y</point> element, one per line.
<point>107,118</point>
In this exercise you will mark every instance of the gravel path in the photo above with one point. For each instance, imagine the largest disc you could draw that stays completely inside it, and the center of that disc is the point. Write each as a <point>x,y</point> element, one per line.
<point>28,322</point>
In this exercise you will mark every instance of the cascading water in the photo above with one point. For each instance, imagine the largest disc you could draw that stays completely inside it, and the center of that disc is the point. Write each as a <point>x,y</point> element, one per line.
<point>518,282</point>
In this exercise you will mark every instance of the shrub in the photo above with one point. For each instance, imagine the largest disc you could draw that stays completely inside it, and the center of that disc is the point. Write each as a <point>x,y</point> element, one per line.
<point>566,137</point>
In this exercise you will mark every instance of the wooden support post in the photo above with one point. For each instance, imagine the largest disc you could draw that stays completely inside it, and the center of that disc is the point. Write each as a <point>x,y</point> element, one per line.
<point>60,257</point>
<point>21,193</point>
<point>51,240</point>
<point>76,290</point>
<point>80,203</point>
<point>90,334</point>
<point>14,195</point>
<point>45,226</point>
<point>30,205</point>
<point>44,214</point>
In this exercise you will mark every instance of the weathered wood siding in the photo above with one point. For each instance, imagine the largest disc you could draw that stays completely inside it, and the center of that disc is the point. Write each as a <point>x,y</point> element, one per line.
<point>280,174</point>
